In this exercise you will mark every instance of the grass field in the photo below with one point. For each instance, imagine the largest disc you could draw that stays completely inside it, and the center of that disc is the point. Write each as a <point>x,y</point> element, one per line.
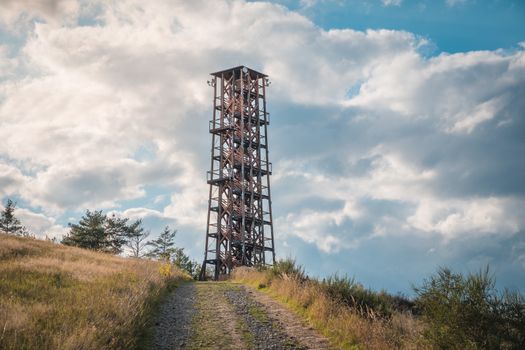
<point>345,327</point>
<point>58,297</point>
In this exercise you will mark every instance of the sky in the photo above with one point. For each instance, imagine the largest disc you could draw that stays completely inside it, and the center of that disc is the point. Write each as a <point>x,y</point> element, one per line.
<point>397,130</point>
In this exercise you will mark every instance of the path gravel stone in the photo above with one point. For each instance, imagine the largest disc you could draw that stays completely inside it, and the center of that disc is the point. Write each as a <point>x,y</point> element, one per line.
<point>293,325</point>
<point>174,323</point>
<point>215,323</point>
<point>223,315</point>
<point>266,333</point>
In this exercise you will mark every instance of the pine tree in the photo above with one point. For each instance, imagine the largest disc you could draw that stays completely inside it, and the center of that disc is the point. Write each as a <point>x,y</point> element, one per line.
<point>116,230</point>
<point>98,232</point>
<point>89,233</point>
<point>8,222</point>
<point>184,262</point>
<point>136,238</point>
<point>180,259</point>
<point>106,233</point>
<point>164,246</point>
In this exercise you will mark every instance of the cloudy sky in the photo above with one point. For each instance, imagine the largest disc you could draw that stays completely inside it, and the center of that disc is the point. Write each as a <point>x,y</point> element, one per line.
<point>397,129</point>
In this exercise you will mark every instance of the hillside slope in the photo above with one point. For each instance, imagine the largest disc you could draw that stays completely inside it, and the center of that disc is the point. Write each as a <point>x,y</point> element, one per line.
<point>58,297</point>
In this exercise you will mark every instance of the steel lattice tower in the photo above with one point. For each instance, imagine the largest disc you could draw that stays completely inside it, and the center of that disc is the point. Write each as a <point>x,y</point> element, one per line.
<point>239,226</point>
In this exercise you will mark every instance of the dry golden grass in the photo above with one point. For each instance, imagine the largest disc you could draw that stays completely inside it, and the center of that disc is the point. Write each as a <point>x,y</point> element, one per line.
<point>58,297</point>
<point>343,326</point>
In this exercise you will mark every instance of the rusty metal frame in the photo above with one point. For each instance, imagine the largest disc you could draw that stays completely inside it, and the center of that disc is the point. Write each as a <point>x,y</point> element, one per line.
<point>239,205</point>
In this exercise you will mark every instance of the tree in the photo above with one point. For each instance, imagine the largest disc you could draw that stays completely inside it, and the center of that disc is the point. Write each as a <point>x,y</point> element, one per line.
<point>116,230</point>
<point>136,238</point>
<point>183,261</point>
<point>467,312</point>
<point>164,246</point>
<point>24,232</point>
<point>98,232</point>
<point>8,222</point>
<point>89,233</point>
<point>196,270</point>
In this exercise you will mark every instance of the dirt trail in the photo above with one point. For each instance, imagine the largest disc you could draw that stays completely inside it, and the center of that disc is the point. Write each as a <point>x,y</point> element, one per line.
<point>223,315</point>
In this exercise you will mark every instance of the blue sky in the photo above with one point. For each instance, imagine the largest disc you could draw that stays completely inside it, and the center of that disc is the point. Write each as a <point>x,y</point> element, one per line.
<point>397,131</point>
<point>452,26</point>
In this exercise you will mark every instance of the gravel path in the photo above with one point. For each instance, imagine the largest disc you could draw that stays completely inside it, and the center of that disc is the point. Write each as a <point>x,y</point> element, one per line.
<point>222,315</point>
<point>215,323</point>
<point>173,325</point>
<point>264,333</point>
<point>293,326</point>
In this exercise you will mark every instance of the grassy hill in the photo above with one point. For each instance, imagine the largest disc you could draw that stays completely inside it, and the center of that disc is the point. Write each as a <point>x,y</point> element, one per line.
<point>58,297</point>
<point>451,310</point>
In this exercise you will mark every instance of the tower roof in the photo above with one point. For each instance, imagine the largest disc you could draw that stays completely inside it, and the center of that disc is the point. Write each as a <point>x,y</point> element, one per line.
<point>228,72</point>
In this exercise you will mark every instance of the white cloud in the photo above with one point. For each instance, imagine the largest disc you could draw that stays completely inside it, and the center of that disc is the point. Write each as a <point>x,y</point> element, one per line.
<point>98,93</point>
<point>188,205</point>
<point>18,14</point>
<point>139,213</point>
<point>442,88</point>
<point>391,2</point>
<point>453,218</point>
<point>91,99</point>
<point>394,178</point>
<point>479,114</point>
<point>315,227</point>
<point>390,178</point>
<point>40,225</point>
<point>11,179</point>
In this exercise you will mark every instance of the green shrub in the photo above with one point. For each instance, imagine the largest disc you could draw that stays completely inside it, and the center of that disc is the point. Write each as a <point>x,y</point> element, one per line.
<point>288,267</point>
<point>353,294</point>
<point>469,313</point>
<point>512,312</point>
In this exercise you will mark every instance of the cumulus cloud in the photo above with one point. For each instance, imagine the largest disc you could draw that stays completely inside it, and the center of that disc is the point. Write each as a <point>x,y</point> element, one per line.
<point>152,220</point>
<point>101,92</point>
<point>11,179</point>
<point>462,217</point>
<point>16,15</point>
<point>390,196</point>
<point>371,138</point>
<point>325,229</point>
<point>458,92</point>
<point>40,225</point>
